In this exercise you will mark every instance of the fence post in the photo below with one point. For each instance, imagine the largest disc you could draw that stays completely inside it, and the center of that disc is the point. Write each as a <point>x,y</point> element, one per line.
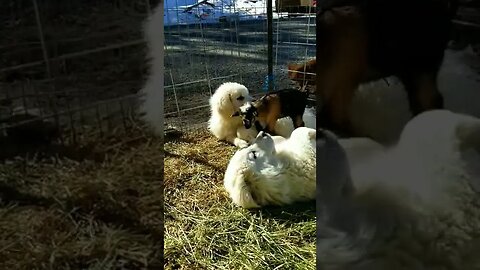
<point>270,44</point>
<point>42,39</point>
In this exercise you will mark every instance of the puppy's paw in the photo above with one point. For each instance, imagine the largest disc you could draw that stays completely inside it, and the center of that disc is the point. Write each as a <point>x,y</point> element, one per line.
<point>241,144</point>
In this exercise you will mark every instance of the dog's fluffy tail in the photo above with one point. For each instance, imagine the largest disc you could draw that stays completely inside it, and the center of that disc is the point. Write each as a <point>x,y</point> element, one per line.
<point>237,187</point>
<point>245,197</point>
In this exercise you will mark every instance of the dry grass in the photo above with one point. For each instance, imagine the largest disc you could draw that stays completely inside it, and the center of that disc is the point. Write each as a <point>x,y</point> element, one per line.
<point>204,230</point>
<point>63,214</point>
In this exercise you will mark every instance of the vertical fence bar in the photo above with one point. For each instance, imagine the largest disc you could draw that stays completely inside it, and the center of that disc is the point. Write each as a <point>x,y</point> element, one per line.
<point>205,55</point>
<point>270,44</point>
<point>277,47</point>
<point>42,39</point>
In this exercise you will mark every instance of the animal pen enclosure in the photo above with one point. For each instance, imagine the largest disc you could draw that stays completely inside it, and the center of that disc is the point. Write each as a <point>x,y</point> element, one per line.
<point>213,42</point>
<point>69,76</point>
<point>70,70</point>
<point>55,87</point>
<point>51,69</point>
<point>207,44</point>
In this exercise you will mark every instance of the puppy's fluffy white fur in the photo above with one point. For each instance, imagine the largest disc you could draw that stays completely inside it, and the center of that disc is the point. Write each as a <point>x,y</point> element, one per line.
<point>226,100</point>
<point>273,170</point>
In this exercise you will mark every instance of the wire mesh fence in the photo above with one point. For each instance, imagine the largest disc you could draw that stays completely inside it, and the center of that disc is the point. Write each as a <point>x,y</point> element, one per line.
<point>214,42</point>
<point>73,67</point>
<point>70,71</point>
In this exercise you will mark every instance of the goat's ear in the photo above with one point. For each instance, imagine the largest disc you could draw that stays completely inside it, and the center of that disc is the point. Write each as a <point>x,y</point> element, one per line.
<point>237,113</point>
<point>265,99</point>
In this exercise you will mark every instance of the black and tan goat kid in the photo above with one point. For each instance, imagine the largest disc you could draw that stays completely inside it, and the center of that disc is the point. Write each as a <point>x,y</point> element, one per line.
<point>264,112</point>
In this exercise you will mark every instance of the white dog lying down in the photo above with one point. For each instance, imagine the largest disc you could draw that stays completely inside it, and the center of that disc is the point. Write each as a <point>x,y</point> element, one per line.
<point>273,170</point>
<point>413,206</point>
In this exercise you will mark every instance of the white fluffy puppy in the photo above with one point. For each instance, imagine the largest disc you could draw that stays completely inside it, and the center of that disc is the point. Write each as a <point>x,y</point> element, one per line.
<point>226,100</point>
<point>273,170</point>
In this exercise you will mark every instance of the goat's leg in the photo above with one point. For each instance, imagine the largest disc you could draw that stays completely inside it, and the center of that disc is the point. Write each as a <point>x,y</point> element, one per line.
<point>272,121</point>
<point>270,128</point>
<point>341,64</point>
<point>337,107</point>
<point>258,126</point>
<point>423,93</point>
<point>298,121</point>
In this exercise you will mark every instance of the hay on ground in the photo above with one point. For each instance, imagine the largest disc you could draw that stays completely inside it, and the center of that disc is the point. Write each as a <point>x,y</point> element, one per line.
<point>204,230</point>
<point>64,214</point>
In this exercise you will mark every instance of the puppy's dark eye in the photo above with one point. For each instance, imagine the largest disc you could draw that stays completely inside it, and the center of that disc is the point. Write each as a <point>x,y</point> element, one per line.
<point>241,98</point>
<point>254,154</point>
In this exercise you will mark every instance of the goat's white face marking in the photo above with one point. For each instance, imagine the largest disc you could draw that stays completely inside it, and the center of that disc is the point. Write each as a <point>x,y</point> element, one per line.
<point>248,114</point>
<point>244,108</point>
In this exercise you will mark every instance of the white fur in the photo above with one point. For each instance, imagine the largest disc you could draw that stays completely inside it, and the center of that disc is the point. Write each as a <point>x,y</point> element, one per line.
<point>360,149</point>
<point>380,111</point>
<point>223,104</point>
<point>284,126</point>
<point>152,100</point>
<point>283,171</point>
<point>426,158</point>
<point>412,205</point>
<point>245,134</point>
